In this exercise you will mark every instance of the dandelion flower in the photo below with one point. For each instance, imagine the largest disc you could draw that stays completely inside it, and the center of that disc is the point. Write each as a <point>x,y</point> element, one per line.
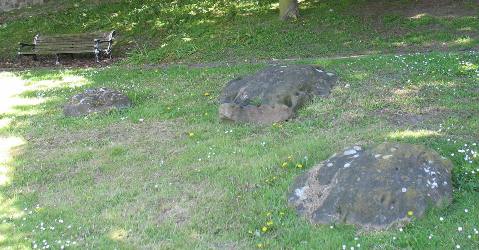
<point>264,229</point>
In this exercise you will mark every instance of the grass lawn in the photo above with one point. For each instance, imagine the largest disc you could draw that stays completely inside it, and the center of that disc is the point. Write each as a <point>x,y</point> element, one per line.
<point>169,174</point>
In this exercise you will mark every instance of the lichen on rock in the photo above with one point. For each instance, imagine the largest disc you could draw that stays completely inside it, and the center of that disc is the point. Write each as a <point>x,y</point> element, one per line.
<point>274,94</point>
<point>96,100</point>
<point>374,188</point>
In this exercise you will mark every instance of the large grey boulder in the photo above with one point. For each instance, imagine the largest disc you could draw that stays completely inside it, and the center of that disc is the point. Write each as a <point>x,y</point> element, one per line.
<point>96,100</point>
<point>374,188</point>
<point>274,94</point>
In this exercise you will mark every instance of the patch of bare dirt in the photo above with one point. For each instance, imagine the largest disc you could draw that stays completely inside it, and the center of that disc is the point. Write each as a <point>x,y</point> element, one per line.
<point>191,203</point>
<point>171,210</point>
<point>402,118</point>
<point>437,8</point>
<point>376,11</point>
<point>123,132</point>
<point>49,62</point>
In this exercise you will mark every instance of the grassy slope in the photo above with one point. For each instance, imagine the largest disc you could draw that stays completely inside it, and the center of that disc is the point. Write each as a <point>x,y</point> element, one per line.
<point>182,179</point>
<point>202,31</point>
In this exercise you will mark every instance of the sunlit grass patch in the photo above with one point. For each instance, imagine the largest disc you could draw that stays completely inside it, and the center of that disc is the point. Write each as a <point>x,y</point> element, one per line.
<point>413,134</point>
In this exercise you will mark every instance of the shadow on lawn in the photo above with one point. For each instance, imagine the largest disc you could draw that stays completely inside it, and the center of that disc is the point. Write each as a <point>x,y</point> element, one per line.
<point>202,31</point>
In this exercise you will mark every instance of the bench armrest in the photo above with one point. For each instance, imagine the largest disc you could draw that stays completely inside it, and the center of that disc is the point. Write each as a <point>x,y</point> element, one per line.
<point>103,41</point>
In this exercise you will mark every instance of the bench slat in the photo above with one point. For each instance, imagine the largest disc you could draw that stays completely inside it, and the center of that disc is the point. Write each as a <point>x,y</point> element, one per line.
<point>65,40</point>
<point>101,34</point>
<point>56,52</point>
<point>63,48</point>
<point>63,45</point>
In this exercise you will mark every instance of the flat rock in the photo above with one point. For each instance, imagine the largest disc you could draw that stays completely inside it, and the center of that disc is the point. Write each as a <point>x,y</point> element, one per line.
<point>375,188</point>
<point>96,100</point>
<point>274,94</point>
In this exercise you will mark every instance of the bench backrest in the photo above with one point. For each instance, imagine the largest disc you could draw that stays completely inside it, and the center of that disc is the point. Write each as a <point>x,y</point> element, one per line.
<point>71,43</point>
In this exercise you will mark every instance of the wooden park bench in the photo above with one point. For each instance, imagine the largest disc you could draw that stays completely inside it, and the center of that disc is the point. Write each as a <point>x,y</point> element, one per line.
<point>98,43</point>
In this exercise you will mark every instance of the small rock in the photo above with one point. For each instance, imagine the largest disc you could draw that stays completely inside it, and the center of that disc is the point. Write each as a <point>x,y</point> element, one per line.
<point>96,100</point>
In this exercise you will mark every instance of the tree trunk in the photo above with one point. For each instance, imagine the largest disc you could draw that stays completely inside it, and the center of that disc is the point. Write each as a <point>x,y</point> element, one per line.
<point>288,9</point>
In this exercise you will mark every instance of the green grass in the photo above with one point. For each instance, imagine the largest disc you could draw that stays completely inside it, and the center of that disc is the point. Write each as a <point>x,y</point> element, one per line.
<point>181,178</point>
<point>204,31</point>
<point>168,174</point>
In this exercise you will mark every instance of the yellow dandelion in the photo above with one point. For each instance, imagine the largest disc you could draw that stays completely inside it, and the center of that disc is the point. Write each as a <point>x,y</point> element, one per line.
<point>290,158</point>
<point>206,94</point>
<point>299,165</point>
<point>264,229</point>
<point>285,164</point>
<point>191,134</point>
<point>259,245</point>
<point>269,223</point>
<point>410,213</point>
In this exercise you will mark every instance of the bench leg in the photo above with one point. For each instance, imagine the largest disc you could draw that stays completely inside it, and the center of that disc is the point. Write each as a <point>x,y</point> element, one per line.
<point>97,56</point>
<point>35,58</point>
<point>57,59</point>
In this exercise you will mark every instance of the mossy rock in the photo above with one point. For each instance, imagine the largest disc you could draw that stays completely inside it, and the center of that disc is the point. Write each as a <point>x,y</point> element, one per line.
<point>376,188</point>
<point>96,100</point>
<point>274,94</point>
